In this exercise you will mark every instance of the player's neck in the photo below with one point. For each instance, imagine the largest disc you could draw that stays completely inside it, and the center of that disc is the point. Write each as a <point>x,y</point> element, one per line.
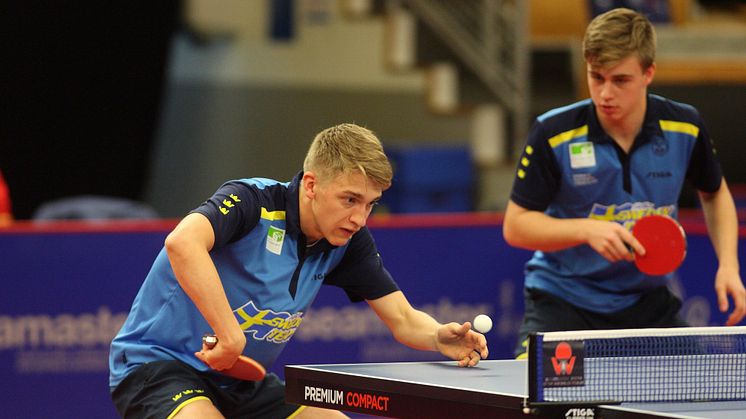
<point>308,224</point>
<point>625,130</point>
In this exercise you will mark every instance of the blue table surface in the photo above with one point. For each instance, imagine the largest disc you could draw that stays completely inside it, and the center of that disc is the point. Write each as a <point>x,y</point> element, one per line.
<point>508,377</point>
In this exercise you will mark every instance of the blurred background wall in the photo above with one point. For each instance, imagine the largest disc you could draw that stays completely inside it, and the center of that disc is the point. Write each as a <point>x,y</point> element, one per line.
<point>160,102</point>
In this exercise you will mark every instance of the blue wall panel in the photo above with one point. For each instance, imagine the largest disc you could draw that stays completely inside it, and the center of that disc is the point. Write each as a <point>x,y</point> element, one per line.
<point>66,292</point>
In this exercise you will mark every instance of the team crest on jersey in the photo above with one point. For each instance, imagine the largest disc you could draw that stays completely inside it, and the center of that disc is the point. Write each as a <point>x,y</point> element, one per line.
<point>275,327</point>
<point>660,146</point>
<point>628,213</point>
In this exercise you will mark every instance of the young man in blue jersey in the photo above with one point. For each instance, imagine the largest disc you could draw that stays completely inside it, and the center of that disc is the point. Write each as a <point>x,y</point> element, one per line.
<point>245,266</point>
<point>590,170</point>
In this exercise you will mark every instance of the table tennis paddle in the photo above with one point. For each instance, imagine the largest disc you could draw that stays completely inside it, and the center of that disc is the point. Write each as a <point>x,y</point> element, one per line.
<point>245,368</point>
<point>664,241</point>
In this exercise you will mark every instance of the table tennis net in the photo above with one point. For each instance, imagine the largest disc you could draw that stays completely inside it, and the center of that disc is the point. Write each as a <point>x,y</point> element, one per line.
<point>645,365</point>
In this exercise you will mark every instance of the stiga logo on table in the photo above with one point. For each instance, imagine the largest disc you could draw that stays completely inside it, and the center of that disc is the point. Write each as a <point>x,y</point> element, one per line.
<point>580,413</point>
<point>563,363</point>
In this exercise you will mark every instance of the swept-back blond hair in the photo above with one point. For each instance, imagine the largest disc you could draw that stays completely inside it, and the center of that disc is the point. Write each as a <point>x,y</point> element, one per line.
<point>617,34</point>
<point>346,148</point>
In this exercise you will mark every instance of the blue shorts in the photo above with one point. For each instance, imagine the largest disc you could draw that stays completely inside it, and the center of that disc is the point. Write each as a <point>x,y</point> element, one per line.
<point>160,389</point>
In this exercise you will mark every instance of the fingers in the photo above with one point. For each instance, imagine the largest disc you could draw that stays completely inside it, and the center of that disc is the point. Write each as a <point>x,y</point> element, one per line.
<point>470,360</point>
<point>614,242</point>
<point>485,352</point>
<point>632,243</point>
<point>722,297</point>
<point>215,358</point>
<point>739,308</point>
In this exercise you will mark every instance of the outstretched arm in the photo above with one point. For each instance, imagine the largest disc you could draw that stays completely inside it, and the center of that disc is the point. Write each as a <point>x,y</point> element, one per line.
<point>419,330</point>
<point>722,226</point>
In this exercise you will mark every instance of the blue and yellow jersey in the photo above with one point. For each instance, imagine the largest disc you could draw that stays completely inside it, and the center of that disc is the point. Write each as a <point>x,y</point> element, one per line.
<point>269,275</point>
<point>570,168</point>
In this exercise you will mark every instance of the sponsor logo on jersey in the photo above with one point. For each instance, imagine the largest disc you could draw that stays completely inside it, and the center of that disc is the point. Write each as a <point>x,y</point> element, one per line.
<point>275,327</point>
<point>275,238</point>
<point>629,212</point>
<point>582,155</point>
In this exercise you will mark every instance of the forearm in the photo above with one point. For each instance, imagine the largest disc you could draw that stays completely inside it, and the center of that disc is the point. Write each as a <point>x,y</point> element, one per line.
<point>188,248</point>
<point>722,225</point>
<point>537,231</point>
<point>410,327</point>
<point>419,331</point>
<point>200,281</point>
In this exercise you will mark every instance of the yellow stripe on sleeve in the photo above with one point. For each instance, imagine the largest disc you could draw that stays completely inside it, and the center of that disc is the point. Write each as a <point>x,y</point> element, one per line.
<point>568,135</point>
<point>683,127</point>
<point>272,215</point>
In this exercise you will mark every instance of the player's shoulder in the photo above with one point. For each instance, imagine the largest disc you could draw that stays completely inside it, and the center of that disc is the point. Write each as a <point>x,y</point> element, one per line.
<point>668,109</point>
<point>259,183</point>
<point>261,189</point>
<point>565,118</point>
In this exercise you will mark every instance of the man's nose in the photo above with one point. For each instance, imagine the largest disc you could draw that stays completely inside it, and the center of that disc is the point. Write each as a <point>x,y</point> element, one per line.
<point>359,216</point>
<point>606,90</point>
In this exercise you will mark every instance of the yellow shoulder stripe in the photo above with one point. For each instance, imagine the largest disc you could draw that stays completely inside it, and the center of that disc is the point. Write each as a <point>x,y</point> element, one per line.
<point>272,215</point>
<point>568,135</point>
<point>683,127</point>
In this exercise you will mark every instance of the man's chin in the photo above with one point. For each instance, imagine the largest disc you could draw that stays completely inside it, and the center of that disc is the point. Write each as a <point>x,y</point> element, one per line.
<point>338,240</point>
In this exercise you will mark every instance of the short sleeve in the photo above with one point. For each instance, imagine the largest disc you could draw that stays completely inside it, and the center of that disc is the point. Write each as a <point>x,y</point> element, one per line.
<point>232,210</point>
<point>361,273</point>
<point>537,175</point>
<point>704,171</point>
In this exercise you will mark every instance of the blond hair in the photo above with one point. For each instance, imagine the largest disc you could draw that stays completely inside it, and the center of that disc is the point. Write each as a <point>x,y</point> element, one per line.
<point>617,34</point>
<point>345,148</point>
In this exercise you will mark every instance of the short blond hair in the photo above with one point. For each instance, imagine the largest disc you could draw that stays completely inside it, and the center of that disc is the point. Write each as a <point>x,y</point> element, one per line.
<point>617,34</point>
<point>346,148</point>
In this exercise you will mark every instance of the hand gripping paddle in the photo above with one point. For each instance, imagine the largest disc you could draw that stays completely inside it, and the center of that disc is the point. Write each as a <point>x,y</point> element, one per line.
<point>664,241</point>
<point>245,368</point>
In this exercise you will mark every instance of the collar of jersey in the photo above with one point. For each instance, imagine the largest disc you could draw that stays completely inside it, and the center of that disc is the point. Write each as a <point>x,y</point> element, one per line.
<point>650,126</point>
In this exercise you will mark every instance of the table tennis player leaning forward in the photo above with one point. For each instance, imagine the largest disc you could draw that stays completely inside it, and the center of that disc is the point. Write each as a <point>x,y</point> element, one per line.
<point>590,169</point>
<point>245,266</point>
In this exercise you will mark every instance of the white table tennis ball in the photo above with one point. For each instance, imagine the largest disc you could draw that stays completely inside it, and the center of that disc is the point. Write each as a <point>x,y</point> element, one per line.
<point>482,323</point>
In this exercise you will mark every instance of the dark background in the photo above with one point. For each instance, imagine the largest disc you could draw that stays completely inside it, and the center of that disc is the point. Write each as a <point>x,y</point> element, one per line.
<point>82,83</point>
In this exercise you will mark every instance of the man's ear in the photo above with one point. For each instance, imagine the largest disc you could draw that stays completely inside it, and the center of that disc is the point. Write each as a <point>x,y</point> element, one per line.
<point>649,74</point>
<point>309,184</point>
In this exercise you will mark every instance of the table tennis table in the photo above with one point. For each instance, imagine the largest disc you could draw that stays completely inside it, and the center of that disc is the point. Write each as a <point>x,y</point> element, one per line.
<point>492,389</point>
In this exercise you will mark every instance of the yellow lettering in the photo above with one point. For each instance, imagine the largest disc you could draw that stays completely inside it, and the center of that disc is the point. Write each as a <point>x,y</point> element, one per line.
<point>258,319</point>
<point>234,198</point>
<point>228,203</point>
<point>224,211</point>
<point>278,335</point>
